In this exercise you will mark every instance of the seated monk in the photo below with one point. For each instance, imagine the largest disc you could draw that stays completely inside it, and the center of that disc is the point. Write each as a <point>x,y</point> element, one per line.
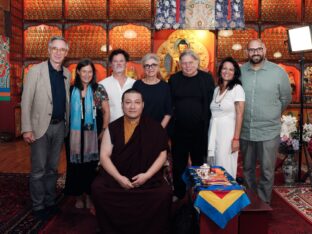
<point>130,194</point>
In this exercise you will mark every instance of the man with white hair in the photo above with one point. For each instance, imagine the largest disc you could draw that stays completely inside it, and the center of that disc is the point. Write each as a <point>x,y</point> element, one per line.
<point>45,115</point>
<point>191,91</point>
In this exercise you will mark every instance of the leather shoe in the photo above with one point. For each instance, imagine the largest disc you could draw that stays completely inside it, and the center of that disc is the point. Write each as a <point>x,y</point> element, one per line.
<point>240,180</point>
<point>53,210</point>
<point>41,214</point>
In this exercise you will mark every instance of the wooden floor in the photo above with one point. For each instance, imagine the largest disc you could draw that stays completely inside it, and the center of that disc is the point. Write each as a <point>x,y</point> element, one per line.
<point>15,157</point>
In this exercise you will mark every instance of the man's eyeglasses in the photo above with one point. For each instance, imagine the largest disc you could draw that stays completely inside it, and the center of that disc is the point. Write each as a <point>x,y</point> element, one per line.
<point>149,66</point>
<point>55,49</point>
<point>254,50</point>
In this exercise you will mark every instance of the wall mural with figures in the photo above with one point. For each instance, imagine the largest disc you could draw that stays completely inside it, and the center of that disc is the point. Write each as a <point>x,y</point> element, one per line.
<point>4,69</point>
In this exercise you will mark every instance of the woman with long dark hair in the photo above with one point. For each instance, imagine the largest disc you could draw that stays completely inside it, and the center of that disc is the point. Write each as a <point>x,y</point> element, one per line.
<point>89,116</point>
<point>227,108</point>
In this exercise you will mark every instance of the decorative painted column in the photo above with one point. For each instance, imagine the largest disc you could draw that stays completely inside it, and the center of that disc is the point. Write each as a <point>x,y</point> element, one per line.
<point>11,54</point>
<point>4,69</point>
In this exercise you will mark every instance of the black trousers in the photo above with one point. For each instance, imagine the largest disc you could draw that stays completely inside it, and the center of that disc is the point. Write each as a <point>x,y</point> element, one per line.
<point>184,145</point>
<point>79,176</point>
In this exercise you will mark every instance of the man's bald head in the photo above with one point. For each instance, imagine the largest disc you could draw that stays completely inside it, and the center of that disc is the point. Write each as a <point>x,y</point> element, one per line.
<point>256,51</point>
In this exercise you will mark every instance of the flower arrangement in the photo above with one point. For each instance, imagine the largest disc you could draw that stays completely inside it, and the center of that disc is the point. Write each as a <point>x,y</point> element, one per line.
<point>307,135</point>
<point>289,135</point>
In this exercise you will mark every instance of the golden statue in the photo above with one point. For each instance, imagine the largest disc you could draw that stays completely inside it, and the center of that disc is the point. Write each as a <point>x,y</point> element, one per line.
<point>170,50</point>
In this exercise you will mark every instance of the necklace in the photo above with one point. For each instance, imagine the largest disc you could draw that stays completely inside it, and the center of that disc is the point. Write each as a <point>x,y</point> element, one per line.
<point>221,97</point>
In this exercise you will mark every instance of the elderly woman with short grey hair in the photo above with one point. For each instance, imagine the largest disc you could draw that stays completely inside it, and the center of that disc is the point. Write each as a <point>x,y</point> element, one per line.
<point>191,91</point>
<point>156,92</point>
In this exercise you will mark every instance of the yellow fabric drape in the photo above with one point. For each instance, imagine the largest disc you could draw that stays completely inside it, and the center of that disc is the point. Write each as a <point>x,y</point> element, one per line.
<point>129,127</point>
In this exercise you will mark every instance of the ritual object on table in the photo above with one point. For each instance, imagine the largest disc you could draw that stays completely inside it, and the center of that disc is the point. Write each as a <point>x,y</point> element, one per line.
<point>214,176</point>
<point>216,179</point>
<point>206,177</point>
<point>203,171</point>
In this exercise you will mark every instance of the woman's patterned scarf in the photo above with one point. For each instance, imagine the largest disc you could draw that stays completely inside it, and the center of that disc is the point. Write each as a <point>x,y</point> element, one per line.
<point>83,123</point>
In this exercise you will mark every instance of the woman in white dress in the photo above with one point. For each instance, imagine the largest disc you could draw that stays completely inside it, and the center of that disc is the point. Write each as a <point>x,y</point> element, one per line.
<point>227,108</point>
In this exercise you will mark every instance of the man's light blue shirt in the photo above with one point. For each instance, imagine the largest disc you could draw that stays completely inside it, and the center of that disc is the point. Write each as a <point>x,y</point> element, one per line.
<point>268,93</point>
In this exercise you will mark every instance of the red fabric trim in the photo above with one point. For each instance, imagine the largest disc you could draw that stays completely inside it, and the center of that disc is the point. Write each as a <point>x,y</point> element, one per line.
<point>221,194</point>
<point>229,15</point>
<point>177,11</point>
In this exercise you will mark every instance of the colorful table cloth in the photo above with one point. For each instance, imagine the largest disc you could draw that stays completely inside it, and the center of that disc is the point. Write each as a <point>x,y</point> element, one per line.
<point>220,203</point>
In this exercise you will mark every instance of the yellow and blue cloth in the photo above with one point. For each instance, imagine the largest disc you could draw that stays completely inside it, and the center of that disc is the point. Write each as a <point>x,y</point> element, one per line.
<point>220,203</point>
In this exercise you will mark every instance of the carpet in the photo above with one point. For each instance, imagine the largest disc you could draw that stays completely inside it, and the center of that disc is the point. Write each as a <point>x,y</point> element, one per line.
<point>282,220</point>
<point>299,198</point>
<point>70,220</point>
<point>285,220</point>
<point>15,203</point>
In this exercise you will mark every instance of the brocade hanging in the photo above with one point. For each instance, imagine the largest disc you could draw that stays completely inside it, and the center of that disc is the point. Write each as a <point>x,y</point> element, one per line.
<point>182,12</point>
<point>166,14</point>
<point>229,14</point>
<point>199,14</point>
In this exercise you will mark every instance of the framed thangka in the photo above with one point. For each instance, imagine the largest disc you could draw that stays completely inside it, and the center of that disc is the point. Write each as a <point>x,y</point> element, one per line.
<point>4,69</point>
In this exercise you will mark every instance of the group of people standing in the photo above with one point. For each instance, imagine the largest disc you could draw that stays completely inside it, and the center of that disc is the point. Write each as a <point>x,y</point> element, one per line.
<point>123,124</point>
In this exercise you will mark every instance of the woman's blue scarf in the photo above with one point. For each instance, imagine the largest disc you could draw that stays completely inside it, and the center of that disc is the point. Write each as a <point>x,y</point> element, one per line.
<point>90,143</point>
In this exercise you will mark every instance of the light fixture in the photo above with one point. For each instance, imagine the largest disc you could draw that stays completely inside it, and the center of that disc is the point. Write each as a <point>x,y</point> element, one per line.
<point>225,33</point>
<point>104,48</point>
<point>277,54</point>
<point>130,34</point>
<point>237,47</point>
<point>41,27</point>
<point>300,39</point>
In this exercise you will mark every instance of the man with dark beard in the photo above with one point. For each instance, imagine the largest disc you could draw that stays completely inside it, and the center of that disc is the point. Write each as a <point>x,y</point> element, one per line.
<point>268,93</point>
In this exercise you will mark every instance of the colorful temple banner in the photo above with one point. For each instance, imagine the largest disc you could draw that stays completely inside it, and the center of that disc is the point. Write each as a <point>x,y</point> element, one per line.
<point>199,14</point>
<point>166,14</point>
<point>229,14</point>
<point>4,69</point>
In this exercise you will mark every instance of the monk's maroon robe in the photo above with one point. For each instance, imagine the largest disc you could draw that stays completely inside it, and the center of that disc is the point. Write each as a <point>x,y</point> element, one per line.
<point>141,210</point>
